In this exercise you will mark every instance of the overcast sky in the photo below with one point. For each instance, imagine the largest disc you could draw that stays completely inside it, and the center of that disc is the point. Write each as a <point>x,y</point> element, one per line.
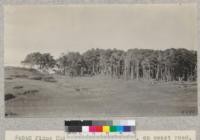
<point>60,29</point>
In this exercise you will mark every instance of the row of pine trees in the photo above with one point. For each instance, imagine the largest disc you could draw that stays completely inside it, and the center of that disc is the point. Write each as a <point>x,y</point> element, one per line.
<point>166,65</point>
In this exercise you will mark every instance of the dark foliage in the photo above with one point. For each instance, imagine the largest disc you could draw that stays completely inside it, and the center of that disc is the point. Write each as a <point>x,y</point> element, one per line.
<point>9,96</point>
<point>167,65</point>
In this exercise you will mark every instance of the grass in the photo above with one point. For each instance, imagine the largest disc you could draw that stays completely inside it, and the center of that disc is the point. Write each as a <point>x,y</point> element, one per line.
<point>94,96</point>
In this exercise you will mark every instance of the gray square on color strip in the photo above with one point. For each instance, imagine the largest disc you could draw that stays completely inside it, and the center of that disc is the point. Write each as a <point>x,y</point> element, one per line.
<point>102,122</point>
<point>66,129</point>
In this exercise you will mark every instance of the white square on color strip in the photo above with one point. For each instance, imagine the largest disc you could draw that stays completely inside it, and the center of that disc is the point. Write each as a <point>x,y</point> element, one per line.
<point>85,128</point>
<point>131,122</point>
<point>124,122</point>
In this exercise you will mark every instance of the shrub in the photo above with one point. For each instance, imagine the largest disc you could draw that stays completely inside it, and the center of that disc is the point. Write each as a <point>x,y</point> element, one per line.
<point>30,91</point>
<point>19,76</point>
<point>35,77</point>
<point>49,79</point>
<point>17,87</point>
<point>8,78</point>
<point>9,96</point>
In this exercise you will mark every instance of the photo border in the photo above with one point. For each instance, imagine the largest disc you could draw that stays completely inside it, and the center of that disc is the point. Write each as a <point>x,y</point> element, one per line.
<point>143,123</point>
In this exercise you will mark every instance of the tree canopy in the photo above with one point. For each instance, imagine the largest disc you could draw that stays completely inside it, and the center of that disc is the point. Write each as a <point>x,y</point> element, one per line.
<point>166,65</point>
<point>40,61</point>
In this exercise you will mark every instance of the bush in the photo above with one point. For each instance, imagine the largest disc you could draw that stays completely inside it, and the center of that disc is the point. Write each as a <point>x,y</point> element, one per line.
<point>19,76</point>
<point>17,87</point>
<point>9,78</point>
<point>49,79</point>
<point>30,91</point>
<point>9,96</point>
<point>10,114</point>
<point>35,77</point>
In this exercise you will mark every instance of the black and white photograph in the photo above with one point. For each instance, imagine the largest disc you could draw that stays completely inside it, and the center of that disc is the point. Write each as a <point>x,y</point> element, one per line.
<point>100,60</point>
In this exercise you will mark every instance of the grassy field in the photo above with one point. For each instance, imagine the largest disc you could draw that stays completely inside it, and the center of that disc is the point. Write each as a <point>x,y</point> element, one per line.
<point>29,93</point>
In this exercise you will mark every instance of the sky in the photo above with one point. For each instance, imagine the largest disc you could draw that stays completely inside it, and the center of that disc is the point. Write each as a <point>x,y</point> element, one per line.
<point>62,29</point>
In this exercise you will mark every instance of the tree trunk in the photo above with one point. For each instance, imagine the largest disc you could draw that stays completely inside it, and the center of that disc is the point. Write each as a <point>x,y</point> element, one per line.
<point>149,71</point>
<point>157,72</point>
<point>93,68</point>
<point>132,72</point>
<point>143,72</point>
<point>137,72</point>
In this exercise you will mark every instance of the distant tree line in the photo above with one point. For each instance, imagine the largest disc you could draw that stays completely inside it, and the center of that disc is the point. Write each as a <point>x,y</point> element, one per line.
<point>167,65</point>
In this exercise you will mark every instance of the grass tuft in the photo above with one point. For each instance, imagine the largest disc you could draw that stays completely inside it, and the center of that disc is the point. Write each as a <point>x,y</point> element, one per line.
<point>9,96</point>
<point>17,87</point>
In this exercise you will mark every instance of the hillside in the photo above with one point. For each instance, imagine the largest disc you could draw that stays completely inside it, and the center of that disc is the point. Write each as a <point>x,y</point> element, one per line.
<point>29,93</point>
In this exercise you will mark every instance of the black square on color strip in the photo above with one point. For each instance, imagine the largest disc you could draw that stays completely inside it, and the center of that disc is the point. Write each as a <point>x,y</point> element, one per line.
<point>86,123</point>
<point>75,129</point>
<point>67,123</point>
<point>73,123</point>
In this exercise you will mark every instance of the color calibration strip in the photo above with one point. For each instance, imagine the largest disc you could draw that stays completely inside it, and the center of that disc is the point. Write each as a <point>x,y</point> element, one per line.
<point>99,127</point>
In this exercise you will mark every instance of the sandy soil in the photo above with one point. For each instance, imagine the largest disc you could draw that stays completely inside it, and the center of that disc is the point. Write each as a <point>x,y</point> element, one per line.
<point>94,96</point>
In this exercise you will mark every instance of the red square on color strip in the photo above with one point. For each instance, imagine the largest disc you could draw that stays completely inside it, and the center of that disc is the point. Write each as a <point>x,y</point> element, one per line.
<point>99,128</point>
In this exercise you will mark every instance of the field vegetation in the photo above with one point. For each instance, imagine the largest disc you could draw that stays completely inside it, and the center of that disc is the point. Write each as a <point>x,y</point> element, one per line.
<point>104,83</point>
